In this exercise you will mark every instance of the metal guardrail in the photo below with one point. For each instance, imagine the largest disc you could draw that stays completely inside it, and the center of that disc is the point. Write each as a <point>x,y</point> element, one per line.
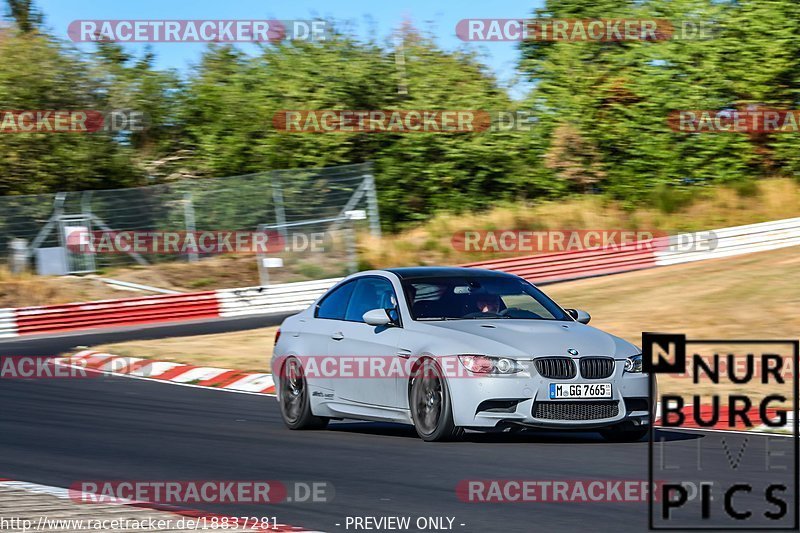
<point>123,312</point>
<point>561,266</point>
<point>662,251</point>
<point>8,323</point>
<point>732,241</point>
<point>285,297</point>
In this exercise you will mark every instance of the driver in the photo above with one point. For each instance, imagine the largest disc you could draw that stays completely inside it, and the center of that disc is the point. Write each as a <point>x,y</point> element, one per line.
<point>488,303</point>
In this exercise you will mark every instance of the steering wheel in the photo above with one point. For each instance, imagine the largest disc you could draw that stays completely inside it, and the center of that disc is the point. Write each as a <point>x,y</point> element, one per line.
<point>516,312</point>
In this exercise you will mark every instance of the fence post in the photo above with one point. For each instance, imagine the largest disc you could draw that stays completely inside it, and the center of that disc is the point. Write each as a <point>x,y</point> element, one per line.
<point>90,261</point>
<point>350,244</point>
<point>350,237</point>
<point>18,258</point>
<point>58,209</point>
<point>277,199</point>
<point>372,206</point>
<point>188,216</point>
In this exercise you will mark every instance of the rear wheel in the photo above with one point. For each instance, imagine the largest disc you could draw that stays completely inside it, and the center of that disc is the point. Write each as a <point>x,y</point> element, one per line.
<point>430,403</point>
<point>295,401</point>
<point>624,433</point>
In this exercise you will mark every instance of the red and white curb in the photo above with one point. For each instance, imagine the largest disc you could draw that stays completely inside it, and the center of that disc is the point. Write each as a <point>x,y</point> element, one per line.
<point>199,376</point>
<point>64,494</point>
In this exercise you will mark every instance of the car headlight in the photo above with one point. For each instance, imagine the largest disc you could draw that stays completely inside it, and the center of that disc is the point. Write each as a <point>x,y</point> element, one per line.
<point>633,364</point>
<point>484,364</point>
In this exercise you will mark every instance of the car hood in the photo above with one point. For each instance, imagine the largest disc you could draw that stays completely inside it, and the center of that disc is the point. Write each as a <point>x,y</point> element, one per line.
<point>528,338</point>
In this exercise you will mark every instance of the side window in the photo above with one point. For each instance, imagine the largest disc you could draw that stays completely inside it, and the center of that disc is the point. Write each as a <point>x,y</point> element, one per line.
<point>333,306</point>
<point>420,292</point>
<point>370,293</point>
<point>425,299</point>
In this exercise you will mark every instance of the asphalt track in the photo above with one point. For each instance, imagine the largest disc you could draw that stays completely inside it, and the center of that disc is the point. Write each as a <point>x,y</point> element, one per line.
<point>57,432</point>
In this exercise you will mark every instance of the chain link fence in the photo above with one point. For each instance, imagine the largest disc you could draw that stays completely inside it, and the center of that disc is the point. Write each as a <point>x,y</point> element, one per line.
<point>333,201</point>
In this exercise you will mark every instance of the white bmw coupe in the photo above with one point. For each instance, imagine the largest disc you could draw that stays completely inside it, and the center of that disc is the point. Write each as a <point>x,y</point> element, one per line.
<point>448,349</point>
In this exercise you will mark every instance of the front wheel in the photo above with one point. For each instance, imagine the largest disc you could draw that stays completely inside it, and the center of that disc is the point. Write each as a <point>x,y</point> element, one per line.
<point>295,401</point>
<point>430,403</point>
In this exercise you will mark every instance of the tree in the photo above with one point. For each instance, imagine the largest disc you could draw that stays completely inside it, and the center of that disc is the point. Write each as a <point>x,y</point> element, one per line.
<point>230,100</point>
<point>574,158</point>
<point>619,94</point>
<point>27,18</point>
<point>42,162</point>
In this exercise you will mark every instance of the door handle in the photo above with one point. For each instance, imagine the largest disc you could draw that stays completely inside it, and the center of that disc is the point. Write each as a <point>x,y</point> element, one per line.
<point>405,354</point>
<point>337,336</point>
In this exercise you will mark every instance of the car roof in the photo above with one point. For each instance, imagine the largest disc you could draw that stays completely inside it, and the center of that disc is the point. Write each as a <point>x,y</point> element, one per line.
<point>446,272</point>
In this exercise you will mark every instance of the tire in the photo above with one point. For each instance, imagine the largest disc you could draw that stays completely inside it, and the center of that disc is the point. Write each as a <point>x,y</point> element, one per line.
<point>624,433</point>
<point>430,404</point>
<point>295,402</point>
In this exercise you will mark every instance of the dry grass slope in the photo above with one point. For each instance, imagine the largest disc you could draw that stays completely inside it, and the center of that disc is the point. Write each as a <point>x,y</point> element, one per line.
<point>430,243</point>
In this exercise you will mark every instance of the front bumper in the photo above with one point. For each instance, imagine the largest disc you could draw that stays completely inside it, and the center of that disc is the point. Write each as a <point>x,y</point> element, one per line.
<point>523,399</point>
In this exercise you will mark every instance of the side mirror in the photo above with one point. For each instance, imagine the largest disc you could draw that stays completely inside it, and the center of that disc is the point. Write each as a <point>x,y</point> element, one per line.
<point>581,316</point>
<point>377,317</point>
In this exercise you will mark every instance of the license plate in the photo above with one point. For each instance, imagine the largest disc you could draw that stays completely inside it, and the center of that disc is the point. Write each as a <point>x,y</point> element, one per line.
<point>560,391</point>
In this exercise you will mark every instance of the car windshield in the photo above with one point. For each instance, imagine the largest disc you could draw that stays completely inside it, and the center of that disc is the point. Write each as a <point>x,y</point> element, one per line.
<point>479,297</point>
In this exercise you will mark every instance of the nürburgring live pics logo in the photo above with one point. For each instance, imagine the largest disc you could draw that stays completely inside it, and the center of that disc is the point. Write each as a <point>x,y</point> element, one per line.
<point>723,480</point>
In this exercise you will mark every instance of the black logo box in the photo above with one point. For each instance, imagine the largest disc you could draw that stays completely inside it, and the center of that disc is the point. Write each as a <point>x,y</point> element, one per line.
<point>675,345</point>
